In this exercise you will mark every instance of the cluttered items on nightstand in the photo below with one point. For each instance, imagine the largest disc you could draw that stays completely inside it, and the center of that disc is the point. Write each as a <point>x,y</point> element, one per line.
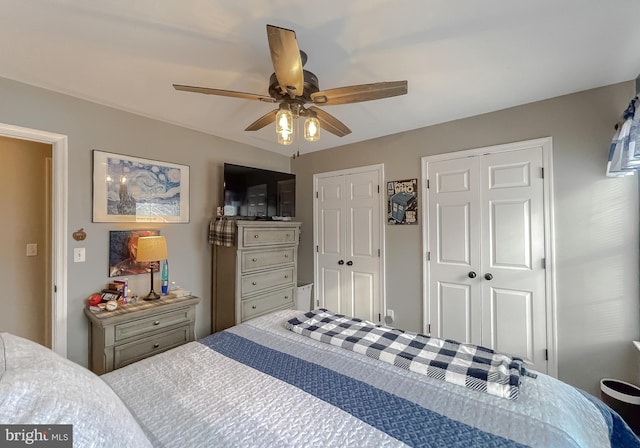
<point>117,293</point>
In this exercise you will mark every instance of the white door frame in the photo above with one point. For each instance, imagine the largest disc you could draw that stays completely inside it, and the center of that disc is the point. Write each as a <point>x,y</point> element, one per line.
<point>380,169</point>
<point>549,244</point>
<point>59,200</point>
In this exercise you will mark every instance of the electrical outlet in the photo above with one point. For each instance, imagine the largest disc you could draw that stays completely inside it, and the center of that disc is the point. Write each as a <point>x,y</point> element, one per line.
<point>79,255</point>
<point>390,317</point>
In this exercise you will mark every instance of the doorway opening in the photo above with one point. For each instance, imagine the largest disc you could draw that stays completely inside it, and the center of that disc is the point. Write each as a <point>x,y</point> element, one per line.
<point>59,207</point>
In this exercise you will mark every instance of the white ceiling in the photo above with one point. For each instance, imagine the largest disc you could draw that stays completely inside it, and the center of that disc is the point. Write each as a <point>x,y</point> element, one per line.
<point>461,58</point>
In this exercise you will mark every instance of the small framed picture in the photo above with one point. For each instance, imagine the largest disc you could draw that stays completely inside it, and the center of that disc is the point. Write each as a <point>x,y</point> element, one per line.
<point>108,294</point>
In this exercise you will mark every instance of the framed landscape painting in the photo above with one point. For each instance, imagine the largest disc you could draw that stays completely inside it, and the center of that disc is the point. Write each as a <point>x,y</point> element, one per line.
<point>132,189</point>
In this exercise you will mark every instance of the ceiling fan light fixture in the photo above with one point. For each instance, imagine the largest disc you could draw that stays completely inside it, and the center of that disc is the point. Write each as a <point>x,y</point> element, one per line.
<point>292,88</point>
<point>284,120</point>
<point>312,128</point>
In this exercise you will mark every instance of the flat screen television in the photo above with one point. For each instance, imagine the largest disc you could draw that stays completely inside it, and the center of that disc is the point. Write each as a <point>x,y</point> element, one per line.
<point>254,193</point>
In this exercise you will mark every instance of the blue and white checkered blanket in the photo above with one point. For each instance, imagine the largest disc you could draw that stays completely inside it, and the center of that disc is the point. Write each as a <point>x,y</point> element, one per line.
<point>468,365</point>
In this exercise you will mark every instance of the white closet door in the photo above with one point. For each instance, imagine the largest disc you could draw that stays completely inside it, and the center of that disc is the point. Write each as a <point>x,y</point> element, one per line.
<point>486,238</point>
<point>514,314</point>
<point>348,241</point>
<point>362,263</point>
<point>331,233</point>
<point>454,238</point>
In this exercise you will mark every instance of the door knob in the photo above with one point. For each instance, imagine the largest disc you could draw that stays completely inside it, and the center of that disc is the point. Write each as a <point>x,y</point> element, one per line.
<point>472,274</point>
<point>488,276</point>
<point>341,262</point>
<point>349,263</point>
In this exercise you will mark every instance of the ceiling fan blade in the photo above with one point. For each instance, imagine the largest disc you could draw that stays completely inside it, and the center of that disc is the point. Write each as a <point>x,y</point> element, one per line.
<point>359,93</point>
<point>330,123</point>
<point>263,121</point>
<point>219,92</point>
<point>287,63</point>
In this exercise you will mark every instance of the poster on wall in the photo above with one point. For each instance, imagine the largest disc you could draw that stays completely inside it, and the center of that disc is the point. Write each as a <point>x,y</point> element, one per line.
<point>132,189</point>
<point>402,202</point>
<point>123,248</point>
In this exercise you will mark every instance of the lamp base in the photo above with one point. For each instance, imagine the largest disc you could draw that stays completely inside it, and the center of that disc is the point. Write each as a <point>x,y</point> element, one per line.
<point>151,296</point>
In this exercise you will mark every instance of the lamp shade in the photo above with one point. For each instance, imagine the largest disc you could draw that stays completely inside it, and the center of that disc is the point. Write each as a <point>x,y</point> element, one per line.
<point>152,248</point>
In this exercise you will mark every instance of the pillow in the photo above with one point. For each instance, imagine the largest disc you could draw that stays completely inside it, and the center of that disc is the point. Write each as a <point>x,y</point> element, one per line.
<point>38,386</point>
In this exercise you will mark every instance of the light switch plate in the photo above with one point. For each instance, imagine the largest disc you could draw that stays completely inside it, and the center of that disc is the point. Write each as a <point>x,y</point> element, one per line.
<point>32,250</point>
<point>79,255</point>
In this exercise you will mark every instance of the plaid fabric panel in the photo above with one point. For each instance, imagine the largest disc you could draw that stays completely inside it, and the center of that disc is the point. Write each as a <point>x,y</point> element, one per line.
<point>467,365</point>
<point>222,232</point>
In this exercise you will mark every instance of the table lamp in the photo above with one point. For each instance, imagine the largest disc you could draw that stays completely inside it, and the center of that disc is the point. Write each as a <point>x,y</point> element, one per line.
<point>152,249</point>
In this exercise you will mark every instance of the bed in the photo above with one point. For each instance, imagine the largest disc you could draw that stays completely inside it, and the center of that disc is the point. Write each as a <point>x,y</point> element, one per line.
<point>260,384</point>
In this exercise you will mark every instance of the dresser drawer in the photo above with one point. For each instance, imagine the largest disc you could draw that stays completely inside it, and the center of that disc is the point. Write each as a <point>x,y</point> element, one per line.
<point>267,303</point>
<point>252,260</point>
<point>255,236</point>
<point>253,283</point>
<point>135,351</point>
<point>152,323</point>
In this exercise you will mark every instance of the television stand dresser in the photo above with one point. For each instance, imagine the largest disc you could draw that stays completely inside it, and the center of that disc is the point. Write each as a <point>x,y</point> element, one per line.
<point>138,330</point>
<point>256,273</point>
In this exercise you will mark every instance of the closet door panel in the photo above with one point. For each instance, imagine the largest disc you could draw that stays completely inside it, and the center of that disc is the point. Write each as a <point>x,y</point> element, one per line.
<point>454,244</point>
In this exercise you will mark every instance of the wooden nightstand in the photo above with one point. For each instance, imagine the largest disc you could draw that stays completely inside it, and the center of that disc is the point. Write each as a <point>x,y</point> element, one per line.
<point>139,330</point>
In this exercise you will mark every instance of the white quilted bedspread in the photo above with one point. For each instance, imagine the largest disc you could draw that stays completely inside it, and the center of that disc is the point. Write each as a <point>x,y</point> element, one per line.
<point>193,396</point>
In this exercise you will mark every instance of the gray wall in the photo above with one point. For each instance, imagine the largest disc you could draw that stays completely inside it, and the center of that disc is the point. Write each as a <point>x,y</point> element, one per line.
<point>90,126</point>
<point>596,222</point>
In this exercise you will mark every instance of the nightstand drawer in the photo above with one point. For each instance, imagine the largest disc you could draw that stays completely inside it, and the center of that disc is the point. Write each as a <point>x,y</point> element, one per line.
<point>267,303</point>
<point>253,237</point>
<point>132,331</point>
<point>143,348</point>
<point>254,283</point>
<point>266,258</point>
<point>152,323</point>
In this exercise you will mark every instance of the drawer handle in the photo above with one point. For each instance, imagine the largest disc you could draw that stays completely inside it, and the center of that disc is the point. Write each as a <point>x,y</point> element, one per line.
<point>253,307</point>
<point>287,235</point>
<point>254,283</point>
<point>286,297</point>
<point>286,255</point>
<point>256,236</point>
<point>156,345</point>
<point>156,322</point>
<point>254,259</point>
<point>286,276</point>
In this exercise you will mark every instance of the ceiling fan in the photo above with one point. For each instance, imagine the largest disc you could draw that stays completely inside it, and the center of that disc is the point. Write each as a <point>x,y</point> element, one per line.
<point>292,88</point>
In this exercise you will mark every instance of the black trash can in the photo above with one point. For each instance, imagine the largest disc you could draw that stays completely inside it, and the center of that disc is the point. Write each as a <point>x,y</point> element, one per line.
<point>624,398</point>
